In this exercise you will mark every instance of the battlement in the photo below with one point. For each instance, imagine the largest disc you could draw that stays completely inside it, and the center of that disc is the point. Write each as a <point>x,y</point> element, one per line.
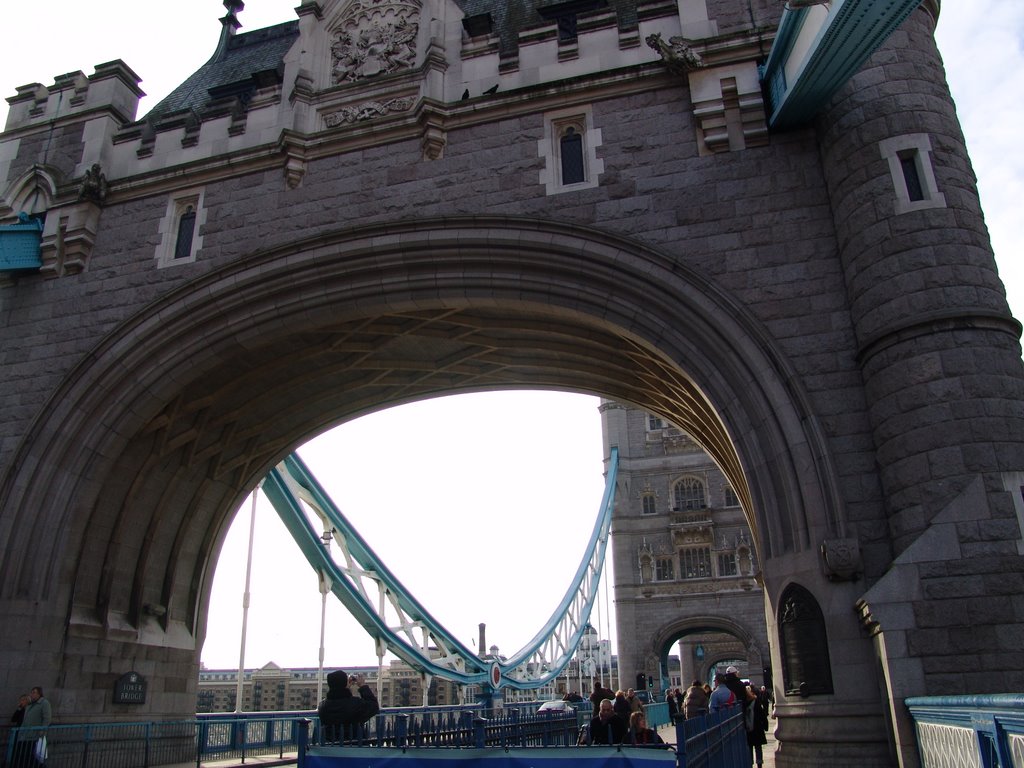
<point>112,86</point>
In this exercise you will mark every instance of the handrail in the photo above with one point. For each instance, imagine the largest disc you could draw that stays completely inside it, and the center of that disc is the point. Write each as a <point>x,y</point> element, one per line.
<point>967,730</point>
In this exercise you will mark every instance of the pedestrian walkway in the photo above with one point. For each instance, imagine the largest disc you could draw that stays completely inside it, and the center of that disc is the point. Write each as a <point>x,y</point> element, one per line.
<point>668,733</point>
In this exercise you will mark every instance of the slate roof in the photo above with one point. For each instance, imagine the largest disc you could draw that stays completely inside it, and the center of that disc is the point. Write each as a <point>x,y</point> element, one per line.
<point>248,60</point>
<point>241,64</point>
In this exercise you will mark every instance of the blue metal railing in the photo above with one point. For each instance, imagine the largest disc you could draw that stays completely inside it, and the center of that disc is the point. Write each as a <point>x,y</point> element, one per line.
<point>657,714</point>
<point>715,740</point>
<point>108,745</point>
<point>215,737</point>
<point>969,730</point>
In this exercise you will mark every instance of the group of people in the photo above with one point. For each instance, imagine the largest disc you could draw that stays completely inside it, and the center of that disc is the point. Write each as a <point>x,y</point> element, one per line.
<point>33,713</point>
<point>729,690</point>
<point>694,703</point>
<point>619,719</point>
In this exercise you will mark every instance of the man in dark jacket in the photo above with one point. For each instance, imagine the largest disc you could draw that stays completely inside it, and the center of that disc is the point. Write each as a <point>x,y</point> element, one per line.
<point>607,727</point>
<point>342,714</point>
<point>600,694</point>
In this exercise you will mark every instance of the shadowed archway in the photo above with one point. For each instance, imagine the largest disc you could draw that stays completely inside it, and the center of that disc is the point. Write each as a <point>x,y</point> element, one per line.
<point>666,637</point>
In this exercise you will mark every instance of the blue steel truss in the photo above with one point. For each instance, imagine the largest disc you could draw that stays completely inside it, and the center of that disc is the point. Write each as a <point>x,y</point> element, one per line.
<point>396,620</point>
<point>819,47</point>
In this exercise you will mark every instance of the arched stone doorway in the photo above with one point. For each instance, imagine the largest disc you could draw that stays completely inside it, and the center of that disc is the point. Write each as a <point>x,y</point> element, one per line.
<point>746,647</point>
<point>150,443</point>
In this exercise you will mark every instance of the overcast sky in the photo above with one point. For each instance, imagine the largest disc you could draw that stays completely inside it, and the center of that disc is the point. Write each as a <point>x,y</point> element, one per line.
<point>481,504</point>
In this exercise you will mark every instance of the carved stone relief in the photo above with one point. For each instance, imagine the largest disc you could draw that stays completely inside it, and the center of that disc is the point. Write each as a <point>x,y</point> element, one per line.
<point>375,37</point>
<point>841,558</point>
<point>677,54</point>
<point>366,111</point>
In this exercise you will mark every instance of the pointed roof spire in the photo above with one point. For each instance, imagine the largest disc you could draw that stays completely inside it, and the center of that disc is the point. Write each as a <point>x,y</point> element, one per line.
<point>230,25</point>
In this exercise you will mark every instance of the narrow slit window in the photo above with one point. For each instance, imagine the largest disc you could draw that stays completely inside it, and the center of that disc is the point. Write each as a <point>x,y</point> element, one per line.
<point>186,229</point>
<point>911,176</point>
<point>572,157</point>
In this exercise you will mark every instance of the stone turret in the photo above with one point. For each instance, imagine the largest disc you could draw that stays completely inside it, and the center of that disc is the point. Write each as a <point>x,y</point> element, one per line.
<point>940,358</point>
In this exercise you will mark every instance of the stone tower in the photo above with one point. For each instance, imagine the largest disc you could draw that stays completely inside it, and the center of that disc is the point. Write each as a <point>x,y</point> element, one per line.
<point>685,567</point>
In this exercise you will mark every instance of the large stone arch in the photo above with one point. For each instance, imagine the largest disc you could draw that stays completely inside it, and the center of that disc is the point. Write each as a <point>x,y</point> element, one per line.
<point>669,633</point>
<point>153,440</point>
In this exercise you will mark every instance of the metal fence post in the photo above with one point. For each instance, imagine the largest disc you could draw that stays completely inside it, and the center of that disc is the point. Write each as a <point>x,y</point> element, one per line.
<point>401,730</point>
<point>479,732</point>
<point>301,727</point>
<point>680,743</point>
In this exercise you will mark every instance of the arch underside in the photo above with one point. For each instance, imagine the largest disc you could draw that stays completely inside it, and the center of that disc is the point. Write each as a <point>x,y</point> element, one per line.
<point>152,443</point>
<point>665,637</point>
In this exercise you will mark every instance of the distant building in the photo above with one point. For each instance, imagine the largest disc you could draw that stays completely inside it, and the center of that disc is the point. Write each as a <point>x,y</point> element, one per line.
<point>274,689</point>
<point>686,574</point>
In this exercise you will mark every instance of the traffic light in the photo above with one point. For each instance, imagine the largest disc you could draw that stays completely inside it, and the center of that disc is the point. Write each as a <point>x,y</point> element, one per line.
<point>650,681</point>
<point>641,679</point>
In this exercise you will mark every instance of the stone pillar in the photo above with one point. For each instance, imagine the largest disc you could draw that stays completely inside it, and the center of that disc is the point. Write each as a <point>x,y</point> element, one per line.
<point>941,363</point>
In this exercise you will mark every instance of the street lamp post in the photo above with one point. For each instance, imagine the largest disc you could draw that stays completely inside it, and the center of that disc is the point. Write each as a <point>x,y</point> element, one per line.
<point>325,587</point>
<point>245,606</point>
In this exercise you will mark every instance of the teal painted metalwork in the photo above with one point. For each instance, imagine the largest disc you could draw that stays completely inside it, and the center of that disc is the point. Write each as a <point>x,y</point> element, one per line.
<point>717,739</point>
<point>986,730</point>
<point>852,31</point>
<point>396,620</point>
<point>19,244</point>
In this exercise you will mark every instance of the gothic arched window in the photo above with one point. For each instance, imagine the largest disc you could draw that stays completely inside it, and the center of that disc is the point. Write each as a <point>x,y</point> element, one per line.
<point>689,494</point>
<point>731,499</point>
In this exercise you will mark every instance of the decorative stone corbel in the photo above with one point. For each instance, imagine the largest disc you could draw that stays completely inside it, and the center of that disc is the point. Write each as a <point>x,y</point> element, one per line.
<point>294,164</point>
<point>68,238</point>
<point>867,618</point>
<point>841,559</point>
<point>435,136</point>
<point>728,108</point>
<point>677,54</point>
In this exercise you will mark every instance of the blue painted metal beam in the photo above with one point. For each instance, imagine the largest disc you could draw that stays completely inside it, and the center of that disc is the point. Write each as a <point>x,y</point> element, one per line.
<point>19,245</point>
<point>392,616</point>
<point>817,49</point>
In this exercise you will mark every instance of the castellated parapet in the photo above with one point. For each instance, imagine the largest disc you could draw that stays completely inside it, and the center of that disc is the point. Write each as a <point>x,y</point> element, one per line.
<point>113,87</point>
<point>348,74</point>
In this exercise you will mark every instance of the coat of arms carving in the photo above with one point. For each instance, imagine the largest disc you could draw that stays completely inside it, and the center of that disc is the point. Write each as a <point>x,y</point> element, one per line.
<point>376,37</point>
